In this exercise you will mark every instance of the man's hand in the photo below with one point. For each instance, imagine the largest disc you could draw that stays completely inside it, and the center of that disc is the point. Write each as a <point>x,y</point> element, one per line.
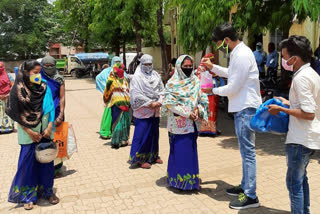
<point>283,100</point>
<point>206,62</point>
<point>274,109</point>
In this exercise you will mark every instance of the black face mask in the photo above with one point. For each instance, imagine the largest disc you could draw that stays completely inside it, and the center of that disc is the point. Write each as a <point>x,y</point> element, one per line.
<point>187,71</point>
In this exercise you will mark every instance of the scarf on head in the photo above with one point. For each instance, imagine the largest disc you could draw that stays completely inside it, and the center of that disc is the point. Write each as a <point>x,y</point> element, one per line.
<point>25,103</point>
<point>145,87</point>
<point>117,89</point>
<point>101,79</point>
<point>185,91</point>
<point>5,85</point>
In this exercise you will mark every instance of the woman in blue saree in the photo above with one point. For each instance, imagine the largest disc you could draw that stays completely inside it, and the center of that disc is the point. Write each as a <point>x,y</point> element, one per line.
<point>30,104</point>
<point>55,82</point>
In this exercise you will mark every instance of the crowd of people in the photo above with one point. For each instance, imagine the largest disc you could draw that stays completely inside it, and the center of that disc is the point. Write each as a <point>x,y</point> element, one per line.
<point>36,101</point>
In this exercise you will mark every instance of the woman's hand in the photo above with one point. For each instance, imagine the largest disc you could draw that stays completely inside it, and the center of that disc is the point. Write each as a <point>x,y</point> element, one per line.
<point>47,132</point>
<point>207,90</point>
<point>59,120</point>
<point>35,136</point>
<point>155,105</point>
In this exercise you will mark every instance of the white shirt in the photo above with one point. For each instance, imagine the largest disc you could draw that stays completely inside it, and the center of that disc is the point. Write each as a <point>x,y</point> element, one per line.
<point>305,95</point>
<point>243,88</point>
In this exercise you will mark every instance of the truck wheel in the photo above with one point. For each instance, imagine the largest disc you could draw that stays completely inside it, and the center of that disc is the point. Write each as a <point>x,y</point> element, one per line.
<point>74,73</point>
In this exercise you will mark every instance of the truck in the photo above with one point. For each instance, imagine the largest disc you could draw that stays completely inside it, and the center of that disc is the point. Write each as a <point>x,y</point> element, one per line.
<point>93,62</point>
<point>81,64</point>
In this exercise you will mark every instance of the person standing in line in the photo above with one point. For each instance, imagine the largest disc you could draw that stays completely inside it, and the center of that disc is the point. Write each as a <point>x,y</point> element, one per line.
<point>303,137</point>
<point>185,106</point>
<point>261,58</point>
<point>30,104</point>
<point>6,123</point>
<point>146,90</point>
<point>243,92</point>
<point>56,83</point>
<point>272,61</point>
<point>116,97</point>
<point>101,81</point>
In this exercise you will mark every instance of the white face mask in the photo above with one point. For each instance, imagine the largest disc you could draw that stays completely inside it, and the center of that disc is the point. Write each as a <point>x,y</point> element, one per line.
<point>285,64</point>
<point>147,69</point>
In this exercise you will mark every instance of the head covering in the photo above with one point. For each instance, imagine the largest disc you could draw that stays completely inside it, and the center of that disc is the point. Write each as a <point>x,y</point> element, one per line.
<point>50,71</point>
<point>185,91</point>
<point>102,78</point>
<point>118,70</point>
<point>117,89</point>
<point>4,80</point>
<point>146,59</point>
<point>259,46</point>
<point>145,87</point>
<point>25,102</point>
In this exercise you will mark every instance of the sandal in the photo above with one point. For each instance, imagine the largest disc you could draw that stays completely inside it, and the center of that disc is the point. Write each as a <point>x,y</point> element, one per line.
<point>159,161</point>
<point>145,166</point>
<point>54,199</point>
<point>28,206</point>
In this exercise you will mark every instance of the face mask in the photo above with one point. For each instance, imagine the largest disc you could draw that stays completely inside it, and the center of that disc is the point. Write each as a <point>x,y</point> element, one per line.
<point>258,48</point>
<point>147,69</point>
<point>119,71</point>
<point>35,78</point>
<point>224,49</point>
<point>187,71</point>
<point>49,70</point>
<point>286,66</point>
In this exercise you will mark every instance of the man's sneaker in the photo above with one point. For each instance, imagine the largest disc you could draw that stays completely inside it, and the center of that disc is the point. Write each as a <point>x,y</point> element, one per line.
<point>235,191</point>
<point>244,202</point>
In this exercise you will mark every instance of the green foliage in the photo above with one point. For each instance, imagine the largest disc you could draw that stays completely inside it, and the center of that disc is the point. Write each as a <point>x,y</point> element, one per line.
<point>197,20</point>
<point>23,27</point>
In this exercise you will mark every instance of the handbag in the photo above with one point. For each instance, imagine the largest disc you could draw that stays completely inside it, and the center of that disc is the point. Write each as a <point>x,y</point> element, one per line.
<point>46,150</point>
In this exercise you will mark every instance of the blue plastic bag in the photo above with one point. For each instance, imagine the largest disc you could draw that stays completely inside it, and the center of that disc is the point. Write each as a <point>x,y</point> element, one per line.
<point>263,121</point>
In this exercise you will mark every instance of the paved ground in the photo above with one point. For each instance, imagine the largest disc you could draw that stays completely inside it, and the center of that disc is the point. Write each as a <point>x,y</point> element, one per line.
<point>97,179</point>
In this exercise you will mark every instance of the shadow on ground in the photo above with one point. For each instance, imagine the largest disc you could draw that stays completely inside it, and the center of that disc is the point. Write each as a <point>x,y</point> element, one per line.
<point>219,194</point>
<point>162,182</point>
<point>65,172</point>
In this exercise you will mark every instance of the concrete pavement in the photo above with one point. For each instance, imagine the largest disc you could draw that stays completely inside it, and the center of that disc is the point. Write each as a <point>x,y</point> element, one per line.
<point>97,179</point>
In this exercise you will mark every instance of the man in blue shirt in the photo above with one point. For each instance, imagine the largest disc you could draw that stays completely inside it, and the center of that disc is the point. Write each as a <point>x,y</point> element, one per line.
<point>261,58</point>
<point>272,61</point>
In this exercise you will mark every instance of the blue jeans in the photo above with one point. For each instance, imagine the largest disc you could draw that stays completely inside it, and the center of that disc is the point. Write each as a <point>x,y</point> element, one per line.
<point>298,157</point>
<point>246,140</point>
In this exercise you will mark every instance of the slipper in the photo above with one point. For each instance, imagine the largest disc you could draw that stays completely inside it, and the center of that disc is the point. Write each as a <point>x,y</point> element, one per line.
<point>28,206</point>
<point>54,199</point>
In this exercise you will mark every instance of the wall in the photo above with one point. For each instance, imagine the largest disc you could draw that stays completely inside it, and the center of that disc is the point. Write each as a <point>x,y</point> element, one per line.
<point>155,52</point>
<point>11,64</point>
<point>308,29</point>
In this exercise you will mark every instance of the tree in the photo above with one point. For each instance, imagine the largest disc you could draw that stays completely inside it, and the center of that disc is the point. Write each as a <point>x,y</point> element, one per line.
<point>77,16</point>
<point>138,16</point>
<point>257,16</point>
<point>163,43</point>
<point>197,19</point>
<point>23,27</point>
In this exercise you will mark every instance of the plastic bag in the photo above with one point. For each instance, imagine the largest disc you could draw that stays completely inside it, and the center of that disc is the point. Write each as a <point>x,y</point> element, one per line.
<point>263,121</point>
<point>206,80</point>
<point>72,142</point>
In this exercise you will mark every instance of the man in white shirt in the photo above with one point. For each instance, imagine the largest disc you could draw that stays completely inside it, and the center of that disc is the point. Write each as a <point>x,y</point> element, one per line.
<point>303,137</point>
<point>243,92</point>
